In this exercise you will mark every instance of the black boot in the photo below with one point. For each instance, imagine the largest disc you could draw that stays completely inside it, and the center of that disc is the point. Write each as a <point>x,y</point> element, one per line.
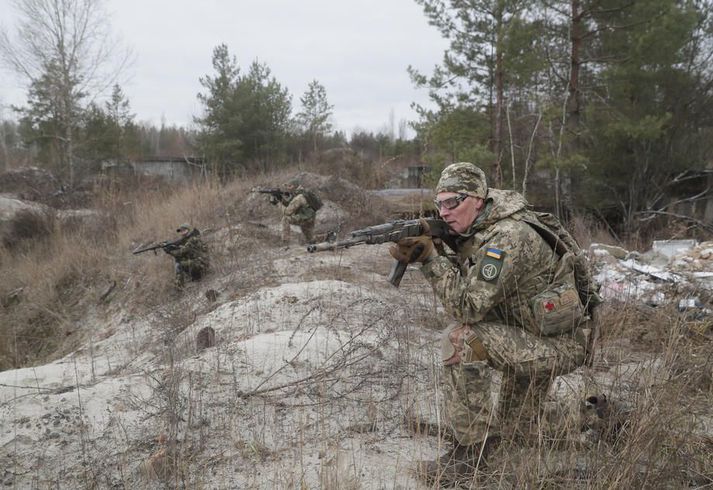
<point>457,465</point>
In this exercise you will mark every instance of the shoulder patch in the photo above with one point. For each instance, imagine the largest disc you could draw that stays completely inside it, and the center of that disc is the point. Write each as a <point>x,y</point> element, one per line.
<point>491,265</point>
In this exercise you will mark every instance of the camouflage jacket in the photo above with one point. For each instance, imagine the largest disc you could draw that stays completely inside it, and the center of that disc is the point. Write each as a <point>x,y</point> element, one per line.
<point>501,263</point>
<point>297,210</point>
<point>193,252</point>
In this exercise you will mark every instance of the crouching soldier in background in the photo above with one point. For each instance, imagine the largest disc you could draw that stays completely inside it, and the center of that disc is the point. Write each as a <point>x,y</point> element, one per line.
<point>299,207</point>
<point>191,255</point>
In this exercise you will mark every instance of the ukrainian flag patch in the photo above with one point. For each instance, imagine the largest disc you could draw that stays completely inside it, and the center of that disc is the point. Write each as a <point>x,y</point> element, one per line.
<point>491,265</point>
<point>494,253</point>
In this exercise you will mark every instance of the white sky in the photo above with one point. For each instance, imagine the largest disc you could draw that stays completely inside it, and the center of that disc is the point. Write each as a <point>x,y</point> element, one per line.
<point>357,49</point>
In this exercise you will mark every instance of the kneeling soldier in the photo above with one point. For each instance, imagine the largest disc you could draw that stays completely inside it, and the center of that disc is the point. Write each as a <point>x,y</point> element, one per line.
<point>191,256</point>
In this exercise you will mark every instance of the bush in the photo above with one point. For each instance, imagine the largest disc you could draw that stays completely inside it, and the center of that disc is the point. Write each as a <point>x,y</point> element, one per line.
<point>27,228</point>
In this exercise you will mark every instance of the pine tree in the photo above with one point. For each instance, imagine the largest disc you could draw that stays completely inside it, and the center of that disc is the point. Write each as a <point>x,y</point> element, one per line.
<point>246,117</point>
<point>314,118</point>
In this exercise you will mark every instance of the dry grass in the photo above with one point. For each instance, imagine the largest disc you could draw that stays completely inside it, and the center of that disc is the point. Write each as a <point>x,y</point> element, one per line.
<point>68,270</point>
<point>586,231</point>
<point>54,272</point>
<point>653,440</point>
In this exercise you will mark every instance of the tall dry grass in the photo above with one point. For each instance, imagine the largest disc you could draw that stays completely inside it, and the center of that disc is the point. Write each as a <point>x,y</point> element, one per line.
<point>65,270</point>
<point>655,367</point>
<point>655,436</point>
<point>54,271</point>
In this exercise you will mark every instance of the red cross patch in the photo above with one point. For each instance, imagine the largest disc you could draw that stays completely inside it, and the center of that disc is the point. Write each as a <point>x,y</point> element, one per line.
<point>549,306</point>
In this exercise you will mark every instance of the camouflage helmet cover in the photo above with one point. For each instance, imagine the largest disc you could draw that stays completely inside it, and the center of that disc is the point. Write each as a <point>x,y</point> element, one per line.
<point>463,178</point>
<point>292,184</point>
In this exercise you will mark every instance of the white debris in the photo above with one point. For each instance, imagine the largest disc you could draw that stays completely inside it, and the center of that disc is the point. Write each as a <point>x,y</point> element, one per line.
<point>671,248</point>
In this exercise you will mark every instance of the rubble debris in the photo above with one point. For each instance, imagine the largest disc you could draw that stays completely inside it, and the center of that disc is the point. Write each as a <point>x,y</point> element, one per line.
<point>671,248</point>
<point>667,273</point>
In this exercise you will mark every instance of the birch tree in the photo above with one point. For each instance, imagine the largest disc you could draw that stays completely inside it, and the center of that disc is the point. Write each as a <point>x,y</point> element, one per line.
<point>65,54</point>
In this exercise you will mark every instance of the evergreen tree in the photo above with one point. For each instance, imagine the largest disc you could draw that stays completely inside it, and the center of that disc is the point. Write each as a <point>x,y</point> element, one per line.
<point>652,117</point>
<point>52,117</point>
<point>314,118</point>
<point>219,136</point>
<point>266,107</point>
<point>246,118</point>
<point>109,133</point>
<point>488,42</point>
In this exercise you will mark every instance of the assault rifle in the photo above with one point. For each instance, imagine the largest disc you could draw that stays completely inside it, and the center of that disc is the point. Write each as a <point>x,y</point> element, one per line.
<point>393,231</point>
<point>276,194</point>
<point>167,245</point>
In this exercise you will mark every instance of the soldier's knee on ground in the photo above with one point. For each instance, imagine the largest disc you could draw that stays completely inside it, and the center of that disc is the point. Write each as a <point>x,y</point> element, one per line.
<point>179,281</point>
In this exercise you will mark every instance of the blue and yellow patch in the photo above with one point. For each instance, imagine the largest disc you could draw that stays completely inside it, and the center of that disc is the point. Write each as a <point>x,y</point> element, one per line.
<point>491,265</point>
<point>494,253</point>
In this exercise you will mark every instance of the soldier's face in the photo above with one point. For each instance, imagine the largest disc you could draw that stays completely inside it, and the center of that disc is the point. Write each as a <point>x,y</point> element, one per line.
<point>459,218</point>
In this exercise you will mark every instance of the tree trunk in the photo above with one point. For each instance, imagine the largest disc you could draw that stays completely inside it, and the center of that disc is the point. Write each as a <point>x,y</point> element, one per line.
<point>566,182</point>
<point>4,157</point>
<point>499,101</point>
<point>575,37</point>
<point>708,212</point>
<point>558,204</point>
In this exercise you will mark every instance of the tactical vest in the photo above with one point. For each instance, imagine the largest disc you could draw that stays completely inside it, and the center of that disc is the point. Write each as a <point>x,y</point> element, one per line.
<point>562,242</point>
<point>555,302</point>
<point>313,199</point>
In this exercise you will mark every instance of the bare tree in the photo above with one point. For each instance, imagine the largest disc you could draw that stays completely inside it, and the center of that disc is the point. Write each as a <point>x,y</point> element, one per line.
<point>65,54</point>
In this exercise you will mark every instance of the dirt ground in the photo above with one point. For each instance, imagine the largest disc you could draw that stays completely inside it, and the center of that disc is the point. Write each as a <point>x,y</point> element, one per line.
<point>322,375</point>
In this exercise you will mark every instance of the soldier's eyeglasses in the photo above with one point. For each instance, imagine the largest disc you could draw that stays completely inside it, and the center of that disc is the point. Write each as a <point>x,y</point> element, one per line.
<point>451,202</point>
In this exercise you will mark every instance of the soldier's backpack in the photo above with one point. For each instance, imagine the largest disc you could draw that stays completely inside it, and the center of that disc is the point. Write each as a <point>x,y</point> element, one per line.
<point>313,199</point>
<point>561,241</point>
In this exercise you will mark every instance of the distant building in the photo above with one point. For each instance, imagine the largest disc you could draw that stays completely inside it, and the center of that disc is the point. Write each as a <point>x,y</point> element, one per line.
<point>170,168</point>
<point>407,174</point>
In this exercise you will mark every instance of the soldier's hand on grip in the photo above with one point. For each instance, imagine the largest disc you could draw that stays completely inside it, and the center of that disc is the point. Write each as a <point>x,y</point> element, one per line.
<point>413,249</point>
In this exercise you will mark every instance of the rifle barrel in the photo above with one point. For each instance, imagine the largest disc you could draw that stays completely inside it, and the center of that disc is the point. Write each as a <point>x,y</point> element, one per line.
<point>325,246</point>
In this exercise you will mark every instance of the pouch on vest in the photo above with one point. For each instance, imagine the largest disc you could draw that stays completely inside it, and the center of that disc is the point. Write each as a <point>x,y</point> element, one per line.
<point>558,309</point>
<point>561,241</point>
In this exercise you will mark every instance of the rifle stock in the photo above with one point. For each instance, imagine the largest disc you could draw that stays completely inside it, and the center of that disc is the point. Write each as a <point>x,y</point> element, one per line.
<point>393,231</point>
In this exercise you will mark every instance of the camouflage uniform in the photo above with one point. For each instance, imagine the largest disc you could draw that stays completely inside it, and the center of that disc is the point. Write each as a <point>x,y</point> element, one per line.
<point>495,286</point>
<point>296,211</point>
<point>191,259</point>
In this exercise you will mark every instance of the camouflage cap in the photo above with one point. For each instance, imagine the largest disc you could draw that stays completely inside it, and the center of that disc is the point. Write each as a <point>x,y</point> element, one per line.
<point>292,183</point>
<point>463,178</point>
<point>183,226</point>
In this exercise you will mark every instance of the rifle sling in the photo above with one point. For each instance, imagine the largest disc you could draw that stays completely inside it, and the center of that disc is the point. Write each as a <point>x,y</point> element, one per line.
<point>549,237</point>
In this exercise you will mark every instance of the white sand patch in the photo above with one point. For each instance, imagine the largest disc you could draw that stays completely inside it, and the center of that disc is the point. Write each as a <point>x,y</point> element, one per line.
<point>332,304</point>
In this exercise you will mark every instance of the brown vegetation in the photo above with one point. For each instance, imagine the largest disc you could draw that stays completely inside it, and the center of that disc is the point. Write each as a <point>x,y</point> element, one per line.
<point>651,436</point>
<point>64,269</point>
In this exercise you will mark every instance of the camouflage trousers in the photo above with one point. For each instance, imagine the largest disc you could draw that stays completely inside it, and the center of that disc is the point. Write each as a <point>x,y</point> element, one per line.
<point>528,364</point>
<point>307,228</point>
<point>187,270</point>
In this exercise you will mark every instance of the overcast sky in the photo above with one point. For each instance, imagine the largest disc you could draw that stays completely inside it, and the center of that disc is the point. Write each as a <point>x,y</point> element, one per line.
<point>358,49</point>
